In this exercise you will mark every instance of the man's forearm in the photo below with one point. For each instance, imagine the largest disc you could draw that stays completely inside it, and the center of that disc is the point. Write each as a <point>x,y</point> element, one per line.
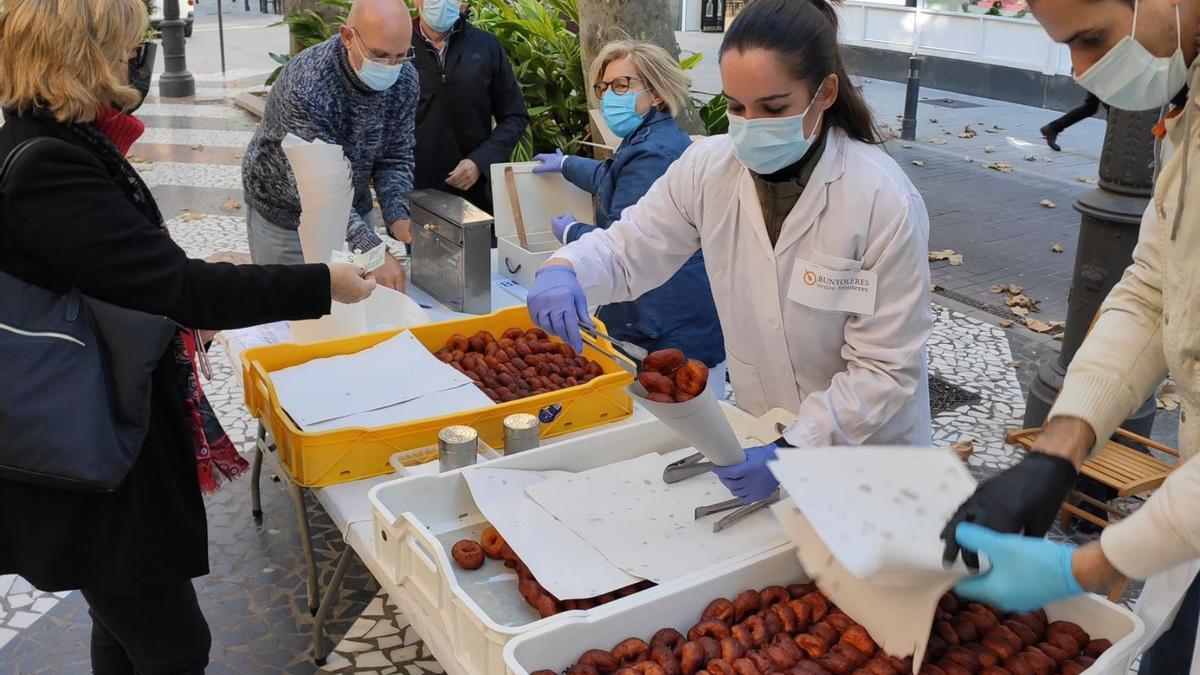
<point>1068,437</point>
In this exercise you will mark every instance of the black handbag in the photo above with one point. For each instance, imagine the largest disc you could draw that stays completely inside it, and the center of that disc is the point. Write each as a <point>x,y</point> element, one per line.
<point>74,382</point>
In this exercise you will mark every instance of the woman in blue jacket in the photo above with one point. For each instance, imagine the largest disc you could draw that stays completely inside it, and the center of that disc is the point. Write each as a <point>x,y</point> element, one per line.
<point>641,89</point>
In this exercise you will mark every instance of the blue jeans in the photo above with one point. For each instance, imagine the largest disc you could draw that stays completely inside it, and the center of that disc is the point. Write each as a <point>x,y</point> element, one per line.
<point>1171,654</point>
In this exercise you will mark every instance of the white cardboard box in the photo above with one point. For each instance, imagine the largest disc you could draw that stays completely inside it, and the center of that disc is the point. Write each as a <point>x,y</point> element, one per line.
<point>543,196</point>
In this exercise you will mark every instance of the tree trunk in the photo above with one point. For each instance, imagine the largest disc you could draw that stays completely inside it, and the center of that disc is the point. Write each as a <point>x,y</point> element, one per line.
<point>293,6</point>
<point>603,21</point>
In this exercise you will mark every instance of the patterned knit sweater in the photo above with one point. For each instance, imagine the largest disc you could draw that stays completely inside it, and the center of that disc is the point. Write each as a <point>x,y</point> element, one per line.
<point>319,96</point>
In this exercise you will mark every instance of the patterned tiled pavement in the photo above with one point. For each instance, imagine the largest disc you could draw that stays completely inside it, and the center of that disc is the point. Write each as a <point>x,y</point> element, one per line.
<point>255,597</point>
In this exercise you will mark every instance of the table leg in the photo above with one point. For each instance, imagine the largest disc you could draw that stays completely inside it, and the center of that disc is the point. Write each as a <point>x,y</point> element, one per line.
<point>306,542</point>
<point>256,474</point>
<point>327,604</point>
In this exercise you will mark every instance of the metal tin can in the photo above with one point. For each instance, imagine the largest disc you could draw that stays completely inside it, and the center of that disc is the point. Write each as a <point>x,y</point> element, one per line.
<point>458,446</point>
<point>521,432</point>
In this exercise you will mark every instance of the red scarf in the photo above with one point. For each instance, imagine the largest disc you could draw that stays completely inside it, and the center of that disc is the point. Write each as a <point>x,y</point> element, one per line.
<point>121,128</point>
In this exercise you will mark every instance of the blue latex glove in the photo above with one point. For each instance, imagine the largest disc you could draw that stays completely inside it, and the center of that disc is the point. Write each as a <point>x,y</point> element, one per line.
<point>751,481</point>
<point>557,304</point>
<point>560,224</point>
<point>1026,572</point>
<point>550,162</point>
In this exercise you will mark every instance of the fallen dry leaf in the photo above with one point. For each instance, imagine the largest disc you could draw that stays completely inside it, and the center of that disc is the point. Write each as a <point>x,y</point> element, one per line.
<point>919,162</point>
<point>967,132</point>
<point>989,149</point>
<point>138,159</point>
<point>934,288</point>
<point>1030,158</point>
<point>964,447</point>
<point>1048,160</point>
<point>938,141</point>
<point>1006,323</point>
<point>231,205</point>
<point>1085,179</point>
<point>1021,300</point>
<point>1015,289</point>
<point>1022,312</point>
<point>948,255</point>
<point>1048,204</point>
<point>890,135</point>
<point>968,158</point>
<point>998,289</point>
<point>933,120</point>
<point>1056,248</point>
<point>197,147</point>
<point>1002,167</point>
<point>906,146</point>
<point>946,132</point>
<point>1059,337</point>
<point>1038,326</point>
<point>1014,364</point>
<point>190,217</point>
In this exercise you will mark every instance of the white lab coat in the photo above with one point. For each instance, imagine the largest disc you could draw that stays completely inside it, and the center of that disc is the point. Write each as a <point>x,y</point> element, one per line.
<point>851,377</point>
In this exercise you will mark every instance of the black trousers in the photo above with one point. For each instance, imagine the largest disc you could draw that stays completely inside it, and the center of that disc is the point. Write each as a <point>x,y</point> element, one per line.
<point>159,632</point>
<point>1171,654</point>
<point>1080,112</point>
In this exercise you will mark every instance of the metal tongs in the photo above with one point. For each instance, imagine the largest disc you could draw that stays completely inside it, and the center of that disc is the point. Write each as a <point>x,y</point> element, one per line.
<point>631,354</point>
<point>740,510</point>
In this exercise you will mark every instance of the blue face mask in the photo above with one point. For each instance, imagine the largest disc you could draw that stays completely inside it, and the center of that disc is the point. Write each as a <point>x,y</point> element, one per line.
<point>766,145</point>
<point>620,112</point>
<point>441,15</point>
<point>376,75</point>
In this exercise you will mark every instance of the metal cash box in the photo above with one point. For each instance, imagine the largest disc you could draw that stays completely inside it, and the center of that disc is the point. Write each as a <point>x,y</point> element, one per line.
<point>452,251</point>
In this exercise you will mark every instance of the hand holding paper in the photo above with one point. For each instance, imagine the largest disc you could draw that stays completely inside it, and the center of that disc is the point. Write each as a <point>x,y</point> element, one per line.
<point>348,284</point>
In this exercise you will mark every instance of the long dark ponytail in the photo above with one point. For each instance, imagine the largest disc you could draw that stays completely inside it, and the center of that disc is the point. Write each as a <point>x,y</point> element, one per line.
<point>804,34</point>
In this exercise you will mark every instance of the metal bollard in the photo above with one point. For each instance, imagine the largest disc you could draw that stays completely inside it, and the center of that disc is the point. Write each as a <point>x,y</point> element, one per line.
<point>908,128</point>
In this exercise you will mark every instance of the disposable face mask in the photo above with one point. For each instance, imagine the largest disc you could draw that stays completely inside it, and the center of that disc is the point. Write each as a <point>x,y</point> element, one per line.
<point>441,15</point>
<point>620,112</point>
<point>769,144</point>
<point>1129,77</point>
<point>375,75</point>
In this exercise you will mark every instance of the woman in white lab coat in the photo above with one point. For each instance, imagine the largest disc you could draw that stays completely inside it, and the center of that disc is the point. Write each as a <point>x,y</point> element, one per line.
<point>814,240</point>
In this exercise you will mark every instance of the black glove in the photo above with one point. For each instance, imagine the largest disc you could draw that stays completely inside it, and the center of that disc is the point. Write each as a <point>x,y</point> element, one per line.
<point>1020,500</point>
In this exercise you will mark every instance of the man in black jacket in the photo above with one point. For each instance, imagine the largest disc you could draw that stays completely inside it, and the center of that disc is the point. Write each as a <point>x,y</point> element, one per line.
<point>466,82</point>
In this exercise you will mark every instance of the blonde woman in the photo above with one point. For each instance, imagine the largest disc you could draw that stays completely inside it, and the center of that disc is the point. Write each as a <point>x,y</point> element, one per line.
<point>641,90</point>
<point>74,214</point>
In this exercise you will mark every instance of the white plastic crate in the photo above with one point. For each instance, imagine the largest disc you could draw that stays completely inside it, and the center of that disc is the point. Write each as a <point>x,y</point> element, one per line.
<point>467,617</point>
<point>557,645</point>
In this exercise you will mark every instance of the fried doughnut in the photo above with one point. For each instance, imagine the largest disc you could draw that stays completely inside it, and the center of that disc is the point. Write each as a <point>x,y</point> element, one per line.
<point>840,622</point>
<point>772,621</point>
<point>836,664</point>
<point>631,650</point>
<point>710,628</point>
<point>965,628</point>
<point>1081,636</point>
<point>819,604</point>
<point>856,636</point>
<point>681,397</point>
<point>930,669</point>
<point>808,668</point>
<point>963,657</point>
<point>855,657</point>
<point>1030,621</point>
<point>536,334</point>
<point>1027,663</point>
<point>952,668</point>
<point>934,648</point>
<point>825,632</point>
<point>798,591</point>
<point>995,670</point>
<point>692,377</point>
<point>731,649</point>
<point>1072,668</point>
<point>545,606</point>
<point>759,632</point>
<point>772,595</point>
<point>599,659</point>
<point>720,609</point>
<point>492,543</point>
<point>987,657</point>
<point>1041,663</point>
<point>948,603</point>
<point>982,622</point>
<point>661,398</point>
<point>468,554</point>
<point>746,603</point>
<point>663,361</point>
<point>1085,661</point>
<point>803,612</point>
<point>779,657</point>
<point>1096,647</point>
<point>1066,643</point>
<point>458,343</point>
<point>645,668</point>
<point>945,630</point>
<point>529,589</point>
<point>786,643</point>
<point>544,671</point>
<point>1002,641</point>
<point>1054,652</point>
<point>879,666</point>
<point>712,648</point>
<point>812,645</point>
<point>1028,637</point>
<point>692,658</point>
<point>746,667</point>
<point>666,659</point>
<point>582,670</point>
<point>760,661</point>
<point>721,667</point>
<point>786,617</point>
<point>669,638</point>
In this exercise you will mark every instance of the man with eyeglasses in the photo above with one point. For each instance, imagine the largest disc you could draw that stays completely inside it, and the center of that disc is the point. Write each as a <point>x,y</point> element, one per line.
<point>357,90</point>
<point>472,113</point>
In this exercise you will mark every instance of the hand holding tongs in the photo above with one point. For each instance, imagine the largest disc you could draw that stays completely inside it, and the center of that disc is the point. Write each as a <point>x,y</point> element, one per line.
<point>631,354</point>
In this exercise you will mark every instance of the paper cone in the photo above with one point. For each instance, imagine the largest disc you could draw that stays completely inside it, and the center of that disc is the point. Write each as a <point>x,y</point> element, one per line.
<point>700,422</point>
<point>343,321</point>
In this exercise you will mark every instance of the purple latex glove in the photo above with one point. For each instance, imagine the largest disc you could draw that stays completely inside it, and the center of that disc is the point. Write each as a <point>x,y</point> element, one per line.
<point>560,225</point>
<point>557,304</point>
<point>550,162</point>
<point>751,481</point>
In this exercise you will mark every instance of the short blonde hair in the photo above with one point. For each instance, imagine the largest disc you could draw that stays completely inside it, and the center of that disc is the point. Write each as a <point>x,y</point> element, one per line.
<point>66,55</point>
<point>660,72</point>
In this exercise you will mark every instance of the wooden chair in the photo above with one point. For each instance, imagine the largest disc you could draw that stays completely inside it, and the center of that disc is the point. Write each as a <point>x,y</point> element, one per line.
<point>1118,466</point>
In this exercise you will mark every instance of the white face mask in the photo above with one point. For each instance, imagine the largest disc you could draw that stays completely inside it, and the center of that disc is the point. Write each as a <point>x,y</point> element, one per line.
<point>1129,77</point>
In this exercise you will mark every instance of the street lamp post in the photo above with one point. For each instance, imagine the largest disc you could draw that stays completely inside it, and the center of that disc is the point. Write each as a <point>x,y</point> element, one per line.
<point>176,81</point>
<point>1108,231</point>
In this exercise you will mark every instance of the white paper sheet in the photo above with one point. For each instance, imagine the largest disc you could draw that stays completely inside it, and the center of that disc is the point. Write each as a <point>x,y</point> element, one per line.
<point>563,563</point>
<point>646,527</point>
<point>437,404</point>
<point>394,371</point>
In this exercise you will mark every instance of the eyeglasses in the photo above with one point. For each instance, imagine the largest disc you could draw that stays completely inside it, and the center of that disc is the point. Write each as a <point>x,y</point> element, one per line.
<point>393,61</point>
<point>619,85</point>
<point>138,59</point>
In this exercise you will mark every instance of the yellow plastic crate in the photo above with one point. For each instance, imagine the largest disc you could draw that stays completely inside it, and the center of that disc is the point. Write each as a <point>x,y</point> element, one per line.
<point>329,458</point>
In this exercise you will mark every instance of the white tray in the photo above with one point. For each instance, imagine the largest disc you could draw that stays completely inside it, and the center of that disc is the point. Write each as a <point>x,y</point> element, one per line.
<point>558,644</point>
<point>468,617</point>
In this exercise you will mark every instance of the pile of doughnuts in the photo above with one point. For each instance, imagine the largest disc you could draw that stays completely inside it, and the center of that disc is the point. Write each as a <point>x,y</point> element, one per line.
<point>797,631</point>
<point>670,377</point>
<point>522,363</point>
<point>470,555</point>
